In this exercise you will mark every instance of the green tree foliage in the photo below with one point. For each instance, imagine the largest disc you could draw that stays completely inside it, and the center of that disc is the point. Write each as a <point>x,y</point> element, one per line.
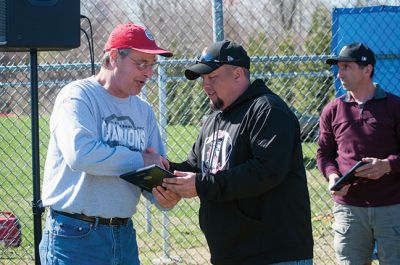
<point>187,104</point>
<point>298,80</point>
<point>318,42</point>
<point>319,37</point>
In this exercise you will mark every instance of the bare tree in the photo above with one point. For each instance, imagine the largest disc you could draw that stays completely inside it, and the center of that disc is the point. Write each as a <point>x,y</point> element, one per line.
<point>287,12</point>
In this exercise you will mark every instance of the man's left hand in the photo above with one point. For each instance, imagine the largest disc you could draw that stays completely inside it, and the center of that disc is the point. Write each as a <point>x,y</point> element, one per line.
<point>375,168</point>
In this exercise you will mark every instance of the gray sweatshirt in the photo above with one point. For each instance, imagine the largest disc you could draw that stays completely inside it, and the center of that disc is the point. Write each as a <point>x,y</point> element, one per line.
<point>94,138</point>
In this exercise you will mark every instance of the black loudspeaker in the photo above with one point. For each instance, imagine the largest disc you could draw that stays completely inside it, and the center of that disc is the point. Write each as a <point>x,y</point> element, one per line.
<point>45,25</point>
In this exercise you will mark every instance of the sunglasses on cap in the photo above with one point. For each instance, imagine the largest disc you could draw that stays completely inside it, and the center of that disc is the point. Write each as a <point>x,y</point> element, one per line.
<point>209,58</point>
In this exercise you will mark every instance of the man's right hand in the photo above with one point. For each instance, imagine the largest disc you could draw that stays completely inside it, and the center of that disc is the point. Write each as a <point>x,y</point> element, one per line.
<point>343,191</point>
<point>151,157</point>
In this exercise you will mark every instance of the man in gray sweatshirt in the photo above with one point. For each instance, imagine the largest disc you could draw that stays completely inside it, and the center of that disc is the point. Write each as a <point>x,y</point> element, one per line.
<point>99,130</point>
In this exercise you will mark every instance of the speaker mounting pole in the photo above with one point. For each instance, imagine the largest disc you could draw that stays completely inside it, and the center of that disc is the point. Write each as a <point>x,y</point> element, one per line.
<point>36,203</point>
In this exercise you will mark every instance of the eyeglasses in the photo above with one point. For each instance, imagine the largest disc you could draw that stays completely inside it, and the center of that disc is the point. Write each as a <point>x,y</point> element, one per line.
<point>209,58</point>
<point>142,66</point>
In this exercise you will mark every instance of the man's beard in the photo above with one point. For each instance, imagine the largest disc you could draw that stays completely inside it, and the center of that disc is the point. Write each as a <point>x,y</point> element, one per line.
<point>217,105</point>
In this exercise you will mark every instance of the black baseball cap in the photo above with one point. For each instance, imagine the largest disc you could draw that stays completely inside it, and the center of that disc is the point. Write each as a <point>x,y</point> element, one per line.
<point>216,55</point>
<point>355,52</point>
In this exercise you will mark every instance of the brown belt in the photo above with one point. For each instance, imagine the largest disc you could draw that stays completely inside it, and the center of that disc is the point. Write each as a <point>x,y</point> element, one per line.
<point>91,219</point>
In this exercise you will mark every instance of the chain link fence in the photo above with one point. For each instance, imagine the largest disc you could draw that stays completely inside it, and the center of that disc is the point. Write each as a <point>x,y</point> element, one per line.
<point>288,42</point>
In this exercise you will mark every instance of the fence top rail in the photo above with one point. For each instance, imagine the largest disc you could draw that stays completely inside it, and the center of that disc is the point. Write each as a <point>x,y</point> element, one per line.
<point>172,62</point>
<point>61,83</point>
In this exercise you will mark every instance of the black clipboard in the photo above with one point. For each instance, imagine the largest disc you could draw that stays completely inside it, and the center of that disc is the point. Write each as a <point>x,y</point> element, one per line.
<point>147,177</point>
<point>347,178</point>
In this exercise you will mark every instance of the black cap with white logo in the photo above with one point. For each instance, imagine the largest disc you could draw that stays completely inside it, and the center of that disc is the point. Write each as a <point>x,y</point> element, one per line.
<point>355,52</point>
<point>216,55</point>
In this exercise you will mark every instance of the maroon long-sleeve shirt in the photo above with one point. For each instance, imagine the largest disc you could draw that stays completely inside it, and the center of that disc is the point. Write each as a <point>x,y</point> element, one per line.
<point>350,132</point>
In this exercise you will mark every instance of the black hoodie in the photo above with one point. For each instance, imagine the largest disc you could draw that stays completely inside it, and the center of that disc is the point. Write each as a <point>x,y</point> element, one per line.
<point>255,207</point>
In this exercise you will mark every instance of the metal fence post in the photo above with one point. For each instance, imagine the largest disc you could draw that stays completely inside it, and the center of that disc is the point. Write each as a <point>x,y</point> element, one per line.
<point>218,20</point>
<point>36,203</point>
<point>162,112</point>
<point>149,226</point>
<point>162,97</point>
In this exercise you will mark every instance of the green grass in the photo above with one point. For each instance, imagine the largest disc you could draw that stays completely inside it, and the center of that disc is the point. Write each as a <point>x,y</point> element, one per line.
<point>16,180</point>
<point>185,240</point>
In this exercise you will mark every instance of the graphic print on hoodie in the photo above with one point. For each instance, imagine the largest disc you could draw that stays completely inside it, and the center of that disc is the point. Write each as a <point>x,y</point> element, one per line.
<point>216,152</point>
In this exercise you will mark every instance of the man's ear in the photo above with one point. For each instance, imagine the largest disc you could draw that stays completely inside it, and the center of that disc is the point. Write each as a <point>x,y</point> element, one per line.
<point>369,69</point>
<point>113,55</point>
<point>238,73</point>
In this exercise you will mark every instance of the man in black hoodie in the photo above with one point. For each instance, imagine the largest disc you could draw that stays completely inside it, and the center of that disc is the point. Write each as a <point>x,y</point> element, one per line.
<point>246,167</point>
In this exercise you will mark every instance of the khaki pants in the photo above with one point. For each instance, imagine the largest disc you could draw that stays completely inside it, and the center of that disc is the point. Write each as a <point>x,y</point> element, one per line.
<point>357,228</point>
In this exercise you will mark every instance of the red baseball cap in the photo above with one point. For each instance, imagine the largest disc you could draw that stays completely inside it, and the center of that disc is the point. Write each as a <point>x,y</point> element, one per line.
<point>136,37</point>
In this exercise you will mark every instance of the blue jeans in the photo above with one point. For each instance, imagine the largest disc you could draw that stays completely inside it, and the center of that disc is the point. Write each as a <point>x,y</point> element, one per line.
<point>69,241</point>
<point>295,262</point>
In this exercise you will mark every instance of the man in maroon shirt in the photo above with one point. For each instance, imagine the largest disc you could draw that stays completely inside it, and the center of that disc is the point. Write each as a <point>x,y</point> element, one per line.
<point>362,125</point>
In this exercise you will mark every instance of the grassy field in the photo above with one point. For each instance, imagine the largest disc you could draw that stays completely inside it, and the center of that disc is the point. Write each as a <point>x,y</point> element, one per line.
<point>185,243</point>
